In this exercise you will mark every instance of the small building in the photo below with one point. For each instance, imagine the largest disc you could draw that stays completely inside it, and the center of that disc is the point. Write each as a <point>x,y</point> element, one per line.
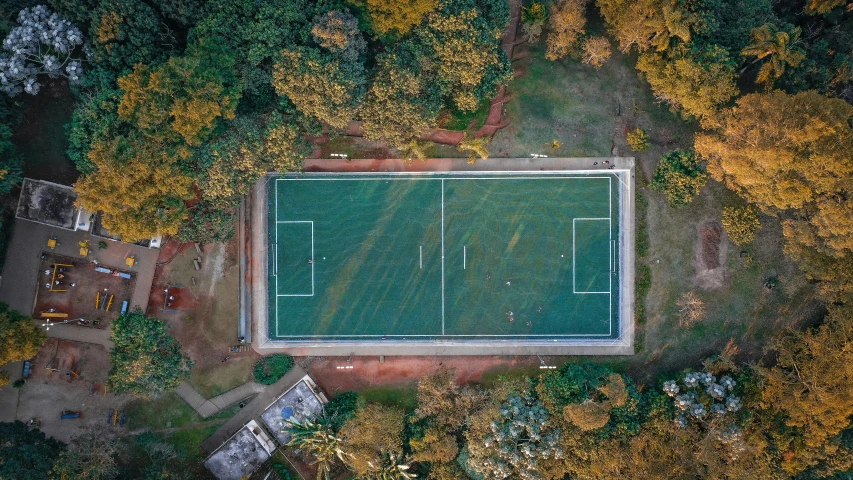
<point>241,454</point>
<point>302,401</point>
<point>53,204</point>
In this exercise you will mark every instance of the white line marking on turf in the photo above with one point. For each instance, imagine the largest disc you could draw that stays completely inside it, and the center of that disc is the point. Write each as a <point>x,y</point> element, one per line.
<point>574,264</point>
<point>422,256</point>
<point>442,256</point>
<point>463,257</point>
<point>312,262</point>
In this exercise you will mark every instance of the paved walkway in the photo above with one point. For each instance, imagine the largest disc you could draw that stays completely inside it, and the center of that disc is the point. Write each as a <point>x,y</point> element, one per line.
<point>253,410</point>
<point>210,407</point>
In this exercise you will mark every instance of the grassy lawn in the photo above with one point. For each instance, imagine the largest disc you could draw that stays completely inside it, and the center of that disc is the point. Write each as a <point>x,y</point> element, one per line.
<point>576,105</point>
<point>405,397</point>
<point>214,381</point>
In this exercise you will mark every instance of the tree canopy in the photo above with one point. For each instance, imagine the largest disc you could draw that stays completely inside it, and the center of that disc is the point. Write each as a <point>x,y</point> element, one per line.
<point>145,359</point>
<point>27,453</point>
<point>20,338</point>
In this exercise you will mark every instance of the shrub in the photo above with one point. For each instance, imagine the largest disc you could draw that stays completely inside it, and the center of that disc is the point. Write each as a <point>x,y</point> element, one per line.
<point>271,368</point>
<point>679,177</point>
<point>638,140</point>
<point>741,223</point>
<point>533,19</point>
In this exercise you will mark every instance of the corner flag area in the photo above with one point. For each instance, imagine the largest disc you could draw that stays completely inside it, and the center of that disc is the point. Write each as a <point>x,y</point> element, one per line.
<point>444,256</point>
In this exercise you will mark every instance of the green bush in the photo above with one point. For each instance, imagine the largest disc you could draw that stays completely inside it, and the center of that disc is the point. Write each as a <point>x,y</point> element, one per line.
<point>271,368</point>
<point>341,408</point>
<point>679,177</point>
<point>642,246</point>
<point>638,140</point>
<point>741,223</point>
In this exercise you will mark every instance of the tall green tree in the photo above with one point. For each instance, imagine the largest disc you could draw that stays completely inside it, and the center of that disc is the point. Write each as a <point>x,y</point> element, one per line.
<point>320,84</point>
<point>145,359</point>
<point>20,338</point>
<point>27,454</point>
<point>694,83</point>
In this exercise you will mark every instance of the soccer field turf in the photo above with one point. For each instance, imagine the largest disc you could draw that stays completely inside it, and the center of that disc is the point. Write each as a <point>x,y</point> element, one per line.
<point>444,256</point>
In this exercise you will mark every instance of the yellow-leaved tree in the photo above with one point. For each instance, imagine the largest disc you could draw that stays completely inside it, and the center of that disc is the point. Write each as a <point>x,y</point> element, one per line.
<point>138,187</point>
<point>789,152</point>
<point>399,16</point>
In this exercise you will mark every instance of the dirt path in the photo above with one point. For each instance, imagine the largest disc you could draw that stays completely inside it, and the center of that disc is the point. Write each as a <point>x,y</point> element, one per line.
<point>370,372</point>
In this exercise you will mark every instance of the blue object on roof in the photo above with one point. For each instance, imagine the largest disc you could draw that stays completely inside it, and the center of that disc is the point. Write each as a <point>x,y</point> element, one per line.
<point>286,413</point>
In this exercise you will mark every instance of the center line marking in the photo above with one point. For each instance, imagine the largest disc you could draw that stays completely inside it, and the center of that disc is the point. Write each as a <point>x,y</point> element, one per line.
<point>442,256</point>
<point>464,263</point>
<point>422,256</point>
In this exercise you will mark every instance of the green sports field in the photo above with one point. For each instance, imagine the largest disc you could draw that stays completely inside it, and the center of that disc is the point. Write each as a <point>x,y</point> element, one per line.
<point>458,256</point>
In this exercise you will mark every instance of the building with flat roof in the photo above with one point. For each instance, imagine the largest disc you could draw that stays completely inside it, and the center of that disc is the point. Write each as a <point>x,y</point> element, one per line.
<point>302,401</point>
<point>241,454</point>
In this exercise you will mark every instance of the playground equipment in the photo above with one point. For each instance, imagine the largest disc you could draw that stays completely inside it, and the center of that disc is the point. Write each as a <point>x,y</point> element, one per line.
<point>73,372</point>
<point>103,302</point>
<point>115,417</point>
<point>52,243</point>
<point>57,268</point>
<point>84,248</point>
<point>53,315</point>
<point>68,414</point>
<point>130,260</point>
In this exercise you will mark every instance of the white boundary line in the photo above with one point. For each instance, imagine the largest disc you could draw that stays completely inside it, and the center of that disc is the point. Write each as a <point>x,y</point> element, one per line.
<point>421,248</point>
<point>501,175</point>
<point>442,256</point>
<point>312,263</point>
<point>464,261</point>
<point>574,267</point>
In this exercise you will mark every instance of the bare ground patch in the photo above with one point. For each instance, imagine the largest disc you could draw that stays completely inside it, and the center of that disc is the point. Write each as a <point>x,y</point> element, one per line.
<point>711,250</point>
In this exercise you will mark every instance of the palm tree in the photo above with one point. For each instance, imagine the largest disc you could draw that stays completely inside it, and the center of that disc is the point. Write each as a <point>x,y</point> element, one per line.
<point>318,440</point>
<point>779,47</point>
<point>393,467</point>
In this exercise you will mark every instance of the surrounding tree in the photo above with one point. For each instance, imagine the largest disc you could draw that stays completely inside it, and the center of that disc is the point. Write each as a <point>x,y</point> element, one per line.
<point>822,6</point>
<point>320,85</point>
<point>476,147</point>
<point>470,65</point>
<point>138,187</point>
<point>648,24</point>
<point>44,43</point>
<point>92,456</point>
<point>208,224</point>
<point>399,16</point>
<point>696,84</point>
<point>638,140</point>
<point>374,433</point>
<point>784,152</point>
<point>317,439</point>
<point>741,223</point>
<point>145,359</point>
<point>123,33</point>
<point>778,47</point>
<point>596,51</point>
<point>402,103</point>
<point>812,381</point>
<point>566,25</point>
<point>533,20</point>
<point>20,339</point>
<point>679,176</point>
<point>337,32</point>
<point>183,99</point>
<point>513,441</point>
<point>10,162</point>
<point>27,453</point>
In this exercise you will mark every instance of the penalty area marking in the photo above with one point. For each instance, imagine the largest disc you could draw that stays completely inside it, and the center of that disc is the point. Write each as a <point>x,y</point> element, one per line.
<point>311,260</point>
<point>574,264</point>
